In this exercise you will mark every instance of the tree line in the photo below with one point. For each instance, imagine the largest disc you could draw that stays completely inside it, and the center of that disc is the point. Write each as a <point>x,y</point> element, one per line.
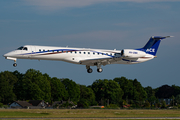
<point>119,92</point>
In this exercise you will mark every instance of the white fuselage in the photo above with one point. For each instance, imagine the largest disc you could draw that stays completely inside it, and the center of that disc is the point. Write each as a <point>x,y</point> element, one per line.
<point>74,55</point>
<point>87,56</point>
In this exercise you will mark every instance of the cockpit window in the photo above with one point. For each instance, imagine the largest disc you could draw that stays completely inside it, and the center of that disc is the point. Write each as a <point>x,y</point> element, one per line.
<point>25,48</point>
<point>22,48</point>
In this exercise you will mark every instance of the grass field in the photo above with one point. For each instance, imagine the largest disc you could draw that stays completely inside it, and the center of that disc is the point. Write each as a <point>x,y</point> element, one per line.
<point>90,113</point>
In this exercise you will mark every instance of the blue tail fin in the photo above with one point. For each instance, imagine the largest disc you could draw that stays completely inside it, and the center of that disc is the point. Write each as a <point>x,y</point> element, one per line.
<point>152,45</point>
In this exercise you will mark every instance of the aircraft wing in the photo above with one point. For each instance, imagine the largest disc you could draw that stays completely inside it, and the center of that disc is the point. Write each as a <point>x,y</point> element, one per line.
<point>103,61</point>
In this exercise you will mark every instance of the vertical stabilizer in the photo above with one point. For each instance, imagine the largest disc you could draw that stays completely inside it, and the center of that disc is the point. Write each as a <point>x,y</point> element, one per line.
<point>152,45</point>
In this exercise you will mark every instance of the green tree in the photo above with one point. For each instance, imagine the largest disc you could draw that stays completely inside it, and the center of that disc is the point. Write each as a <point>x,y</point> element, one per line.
<point>18,86</point>
<point>36,86</point>
<point>133,90</point>
<point>72,88</point>
<point>127,87</point>
<point>7,81</point>
<point>173,100</point>
<point>150,94</point>
<point>58,91</point>
<point>147,104</point>
<point>87,96</point>
<point>157,103</point>
<point>163,104</point>
<point>177,99</point>
<point>139,93</point>
<point>107,91</point>
<point>176,90</point>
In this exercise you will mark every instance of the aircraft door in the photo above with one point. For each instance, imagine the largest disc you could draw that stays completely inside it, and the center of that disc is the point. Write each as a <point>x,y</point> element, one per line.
<point>25,51</point>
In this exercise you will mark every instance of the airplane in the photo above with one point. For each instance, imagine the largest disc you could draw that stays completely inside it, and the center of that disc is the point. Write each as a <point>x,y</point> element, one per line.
<point>87,56</point>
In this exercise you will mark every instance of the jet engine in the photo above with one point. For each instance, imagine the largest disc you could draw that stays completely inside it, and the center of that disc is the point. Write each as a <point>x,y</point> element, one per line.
<point>130,53</point>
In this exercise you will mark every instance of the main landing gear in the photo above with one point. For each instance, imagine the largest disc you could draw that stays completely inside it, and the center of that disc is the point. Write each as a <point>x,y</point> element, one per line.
<point>89,70</point>
<point>99,70</point>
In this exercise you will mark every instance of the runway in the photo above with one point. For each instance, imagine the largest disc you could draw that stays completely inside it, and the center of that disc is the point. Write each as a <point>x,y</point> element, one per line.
<point>150,118</point>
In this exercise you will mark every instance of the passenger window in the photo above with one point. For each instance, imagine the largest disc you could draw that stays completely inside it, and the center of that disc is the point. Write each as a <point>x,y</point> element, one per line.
<point>62,51</point>
<point>93,53</point>
<point>48,50</point>
<point>98,53</point>
<point>75,52</point>
<point>88,52</point>
<point>79,52</point>
<point>57,50</point>
<point>44,50</point>
<point>39,50</point>
<point>84,52</point>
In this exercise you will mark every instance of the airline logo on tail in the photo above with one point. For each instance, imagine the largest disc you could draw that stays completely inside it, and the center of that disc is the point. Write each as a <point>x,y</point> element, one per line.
<point>150,50</point>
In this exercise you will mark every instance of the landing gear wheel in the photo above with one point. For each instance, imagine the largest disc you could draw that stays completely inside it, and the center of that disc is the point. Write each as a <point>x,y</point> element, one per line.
<point>14,64</point>
<point>99,70</point>
<point>89,70</point>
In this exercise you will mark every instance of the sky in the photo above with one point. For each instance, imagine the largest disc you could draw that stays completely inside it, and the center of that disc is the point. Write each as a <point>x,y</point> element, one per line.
<point>104,24</point>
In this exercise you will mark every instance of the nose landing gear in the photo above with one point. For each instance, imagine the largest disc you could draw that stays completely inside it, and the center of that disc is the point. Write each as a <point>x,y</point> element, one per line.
<point>14,64</point>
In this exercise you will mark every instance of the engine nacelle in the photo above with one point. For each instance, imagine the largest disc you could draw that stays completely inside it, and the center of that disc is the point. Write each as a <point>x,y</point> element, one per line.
<point>130,53</point>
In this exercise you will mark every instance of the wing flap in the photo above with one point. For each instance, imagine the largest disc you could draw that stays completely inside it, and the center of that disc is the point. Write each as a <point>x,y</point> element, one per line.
<point>92,62</point>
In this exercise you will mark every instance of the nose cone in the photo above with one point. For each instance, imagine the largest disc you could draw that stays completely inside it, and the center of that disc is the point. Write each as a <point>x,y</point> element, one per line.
<point>6,55</point>
<point>9,54</point>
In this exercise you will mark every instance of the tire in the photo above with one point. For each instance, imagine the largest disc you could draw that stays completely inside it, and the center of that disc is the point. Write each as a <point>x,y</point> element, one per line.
<point>99,70</point>
<point>14,64</point>
<point>89,70</point>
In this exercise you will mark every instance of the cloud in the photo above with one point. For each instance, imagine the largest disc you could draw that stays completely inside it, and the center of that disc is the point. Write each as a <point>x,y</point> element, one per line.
<point>63,4</point>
